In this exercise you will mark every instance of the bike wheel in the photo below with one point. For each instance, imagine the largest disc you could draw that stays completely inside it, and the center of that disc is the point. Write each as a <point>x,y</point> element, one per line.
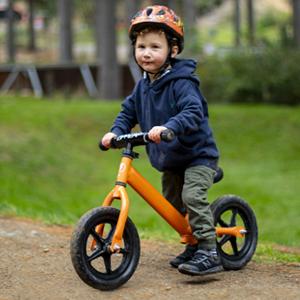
<point>230,211</point>
<point>99,267</point>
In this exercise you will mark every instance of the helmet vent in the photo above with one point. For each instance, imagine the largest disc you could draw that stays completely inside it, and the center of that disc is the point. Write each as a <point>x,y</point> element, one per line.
<point>149,11</point>
<point>161,12</point>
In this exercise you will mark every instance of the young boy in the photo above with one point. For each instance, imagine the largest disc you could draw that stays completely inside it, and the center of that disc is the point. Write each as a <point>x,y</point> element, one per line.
<point>168,97</point>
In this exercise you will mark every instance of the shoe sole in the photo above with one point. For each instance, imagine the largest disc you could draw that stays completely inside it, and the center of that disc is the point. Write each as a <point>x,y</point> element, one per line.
<point>202,273</point>
<point>175,265</point>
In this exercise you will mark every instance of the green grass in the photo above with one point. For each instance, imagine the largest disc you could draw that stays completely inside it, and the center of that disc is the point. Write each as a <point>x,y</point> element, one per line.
<point>270,254</point>
<point>260,149</point>
<point>51,168</point>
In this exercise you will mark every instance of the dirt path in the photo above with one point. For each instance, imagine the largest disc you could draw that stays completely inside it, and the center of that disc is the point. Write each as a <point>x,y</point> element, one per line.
<point>35,264</point>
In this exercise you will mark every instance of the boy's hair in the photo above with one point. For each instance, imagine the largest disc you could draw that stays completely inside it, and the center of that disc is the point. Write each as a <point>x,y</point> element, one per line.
<point>149,29</point>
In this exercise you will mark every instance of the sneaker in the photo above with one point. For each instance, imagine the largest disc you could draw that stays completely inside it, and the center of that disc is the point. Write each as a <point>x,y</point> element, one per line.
<point>187,255</point>
<point>204,262</point>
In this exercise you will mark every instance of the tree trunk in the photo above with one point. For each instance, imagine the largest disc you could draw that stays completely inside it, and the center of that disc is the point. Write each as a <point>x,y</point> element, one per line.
<point>296,21</point>
<point>173,4</point>
<point>109,79</point>
<point>64,8</point>
<point>10,31</point>
<point>163,2</point>
<point>190,12</point>
<point>132,7</point>
<point>98,30</point>
<point>251,22</point>
<point>31,26</point>
<point>237,23</point>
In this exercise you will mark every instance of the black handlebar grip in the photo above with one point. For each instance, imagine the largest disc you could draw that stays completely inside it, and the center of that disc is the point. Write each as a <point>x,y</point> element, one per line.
<point>102,147</point>
<point>167,135</point>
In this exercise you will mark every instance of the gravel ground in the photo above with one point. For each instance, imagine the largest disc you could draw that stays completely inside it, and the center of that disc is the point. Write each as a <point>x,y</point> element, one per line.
<point>35,264</point>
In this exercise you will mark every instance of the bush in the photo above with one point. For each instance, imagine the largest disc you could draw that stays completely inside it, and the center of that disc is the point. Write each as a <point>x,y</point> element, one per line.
<point>214,75</point>
<point>265,76</point>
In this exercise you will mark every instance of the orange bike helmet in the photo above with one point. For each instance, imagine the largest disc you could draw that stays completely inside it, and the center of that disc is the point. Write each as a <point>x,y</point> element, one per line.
<point>161,16</point>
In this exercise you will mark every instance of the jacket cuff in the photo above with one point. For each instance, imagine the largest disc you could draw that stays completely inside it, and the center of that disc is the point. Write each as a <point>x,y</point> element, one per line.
<point>174,126</point>
<point>117,131</point>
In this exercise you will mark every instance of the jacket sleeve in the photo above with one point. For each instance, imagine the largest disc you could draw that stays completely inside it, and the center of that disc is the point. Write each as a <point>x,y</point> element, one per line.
<point>126,119</point>
<point>189,103</point>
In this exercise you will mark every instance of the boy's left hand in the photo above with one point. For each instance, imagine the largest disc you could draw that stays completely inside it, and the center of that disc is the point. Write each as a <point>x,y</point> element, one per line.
<point>155,132</point>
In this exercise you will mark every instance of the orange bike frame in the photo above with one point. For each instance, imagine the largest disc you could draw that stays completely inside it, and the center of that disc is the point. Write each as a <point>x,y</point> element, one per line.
<point>129,175</point>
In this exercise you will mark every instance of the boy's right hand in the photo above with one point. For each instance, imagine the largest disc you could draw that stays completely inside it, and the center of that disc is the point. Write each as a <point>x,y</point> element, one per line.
<point>107,138</point>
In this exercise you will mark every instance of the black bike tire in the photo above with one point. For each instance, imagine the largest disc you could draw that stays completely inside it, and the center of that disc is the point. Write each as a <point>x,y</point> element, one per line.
<point>242,257</point>
<point>84,269</point>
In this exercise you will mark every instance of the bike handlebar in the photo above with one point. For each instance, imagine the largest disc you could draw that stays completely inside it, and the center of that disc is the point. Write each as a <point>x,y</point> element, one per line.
<point>136,139</point>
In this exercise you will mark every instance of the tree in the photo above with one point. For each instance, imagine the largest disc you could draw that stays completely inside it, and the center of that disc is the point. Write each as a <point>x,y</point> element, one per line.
<point>296,21</point>
<point>99,30</point>
<point>251,22</point>
<point>48,7</point>
<point>190,12</point>
<point>10,31</point>
<point>173,4</point>
<point>164,2</point>
<point>64,12</point>
<point>109,80</point>
<point>132,7</point>
<point>237,23</point>
<point>32,46</point>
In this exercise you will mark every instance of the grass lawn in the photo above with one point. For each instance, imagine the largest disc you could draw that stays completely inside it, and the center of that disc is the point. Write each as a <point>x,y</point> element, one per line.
<point>51,168</point>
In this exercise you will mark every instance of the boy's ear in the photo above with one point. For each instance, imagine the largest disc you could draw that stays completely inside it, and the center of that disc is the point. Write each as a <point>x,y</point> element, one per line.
<point>174,51</point>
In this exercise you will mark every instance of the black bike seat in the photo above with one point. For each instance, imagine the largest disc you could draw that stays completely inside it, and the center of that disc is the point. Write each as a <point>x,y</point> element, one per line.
<point>219,175</point>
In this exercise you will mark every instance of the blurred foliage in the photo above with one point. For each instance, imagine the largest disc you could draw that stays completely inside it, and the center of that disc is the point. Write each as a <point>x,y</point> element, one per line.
<point>205,6</point>
<point>192,42</point>
<point>86,12</point>
<point>259,75</point>
<point>49,7</point>
<point>82,9</point>
<point>264,73</point>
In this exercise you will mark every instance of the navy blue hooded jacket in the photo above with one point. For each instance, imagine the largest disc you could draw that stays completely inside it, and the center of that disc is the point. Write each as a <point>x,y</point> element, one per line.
<point>176,102</point>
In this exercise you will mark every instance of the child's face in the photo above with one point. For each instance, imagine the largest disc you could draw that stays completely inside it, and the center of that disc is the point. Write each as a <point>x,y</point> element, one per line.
<point>151,51</point>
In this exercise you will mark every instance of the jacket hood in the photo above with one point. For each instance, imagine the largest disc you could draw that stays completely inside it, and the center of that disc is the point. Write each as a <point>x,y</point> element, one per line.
<point>181,69</point>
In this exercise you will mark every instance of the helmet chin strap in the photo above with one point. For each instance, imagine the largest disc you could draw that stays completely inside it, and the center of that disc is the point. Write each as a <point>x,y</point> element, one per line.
<point>167,62</point>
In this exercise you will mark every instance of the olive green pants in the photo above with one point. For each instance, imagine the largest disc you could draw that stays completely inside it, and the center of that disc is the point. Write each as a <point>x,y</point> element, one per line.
<point>189,192</point>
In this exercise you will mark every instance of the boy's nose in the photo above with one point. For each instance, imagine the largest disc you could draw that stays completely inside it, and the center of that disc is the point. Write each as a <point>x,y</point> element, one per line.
<point>146,53</point>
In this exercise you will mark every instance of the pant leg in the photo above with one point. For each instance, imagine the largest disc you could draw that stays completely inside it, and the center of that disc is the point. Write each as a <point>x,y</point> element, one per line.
<point>197,180</point>
<point>172,190</point>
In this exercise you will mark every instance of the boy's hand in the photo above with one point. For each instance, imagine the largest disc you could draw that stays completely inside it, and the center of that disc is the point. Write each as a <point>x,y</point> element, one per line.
<point>107,138</point>
<point>155,132</point>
